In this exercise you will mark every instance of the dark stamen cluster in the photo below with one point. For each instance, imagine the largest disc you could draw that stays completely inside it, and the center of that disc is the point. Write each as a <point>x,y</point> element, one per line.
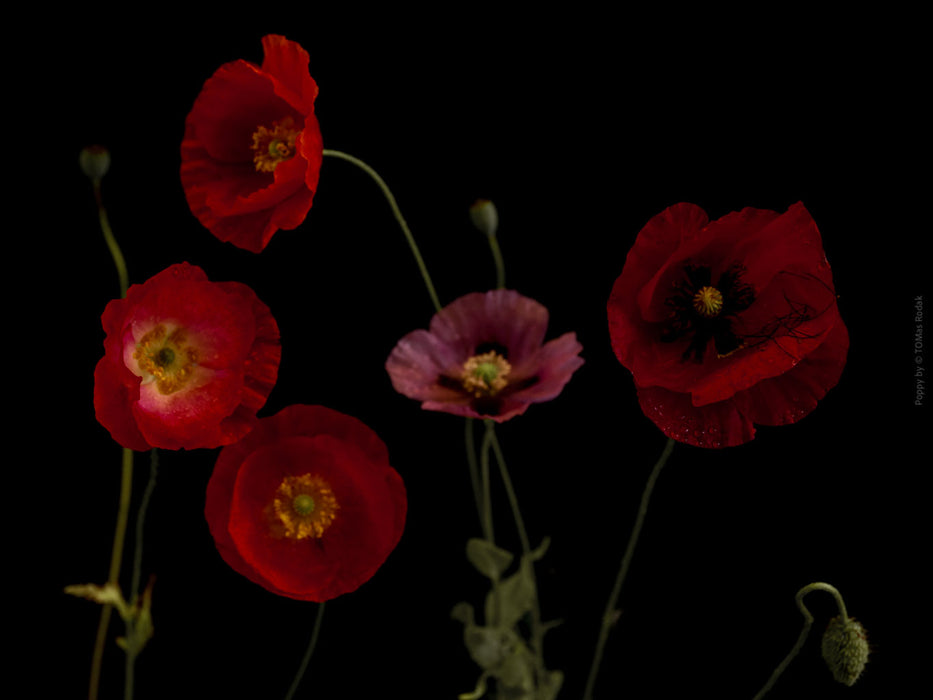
<point>685,320</point>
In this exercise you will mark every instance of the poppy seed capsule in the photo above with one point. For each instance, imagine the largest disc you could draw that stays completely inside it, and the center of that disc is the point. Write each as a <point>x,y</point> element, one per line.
<point>845,649</point>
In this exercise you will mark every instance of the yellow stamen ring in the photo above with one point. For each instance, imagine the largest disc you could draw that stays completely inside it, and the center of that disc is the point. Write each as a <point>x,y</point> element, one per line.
<point>271,146</point>
<point>485,375</point>
<point>708,302</point>
<point>166,357</point>
<point>304,506</point>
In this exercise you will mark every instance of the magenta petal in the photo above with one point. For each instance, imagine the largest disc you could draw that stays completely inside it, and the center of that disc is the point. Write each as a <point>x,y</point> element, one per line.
<point>416,364</point>
<point>501,316</point>
<point>428,365</point>
<point>555,363</point>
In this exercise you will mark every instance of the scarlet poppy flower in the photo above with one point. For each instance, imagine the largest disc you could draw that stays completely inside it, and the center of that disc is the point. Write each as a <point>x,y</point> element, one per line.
<point>727,324</point>
<point>252,149</point>
<point>483,357</point>
<point>306,505</point>
<point>187,362</point>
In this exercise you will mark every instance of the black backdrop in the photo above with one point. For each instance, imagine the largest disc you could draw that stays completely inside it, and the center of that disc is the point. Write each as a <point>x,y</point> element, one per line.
<point>580,129</point>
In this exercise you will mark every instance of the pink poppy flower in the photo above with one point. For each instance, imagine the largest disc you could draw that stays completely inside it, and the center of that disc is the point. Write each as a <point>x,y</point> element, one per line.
<point>484,357</point>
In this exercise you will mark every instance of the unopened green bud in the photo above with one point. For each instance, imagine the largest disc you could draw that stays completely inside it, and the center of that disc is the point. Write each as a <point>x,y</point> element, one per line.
<point>484,216</point>
<point>95,161</point>
<point>845,649</point>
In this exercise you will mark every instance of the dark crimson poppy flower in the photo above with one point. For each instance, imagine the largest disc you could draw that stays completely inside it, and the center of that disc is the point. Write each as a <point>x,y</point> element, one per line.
<point>483,357</point>
<point>729,323</point>
<point>252,149</point>
<point>306,505</point>
<point>187,362</point>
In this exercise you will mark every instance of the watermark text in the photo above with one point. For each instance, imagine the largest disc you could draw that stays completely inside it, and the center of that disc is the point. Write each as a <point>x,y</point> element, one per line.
<point>919,368</point>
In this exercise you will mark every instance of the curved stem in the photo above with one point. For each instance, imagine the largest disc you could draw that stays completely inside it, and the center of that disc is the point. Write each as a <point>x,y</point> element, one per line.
<point>608,615</point>
<point>497,258</point>
<point>804,633</point>
<point>307,657</point>
<point>110,239</point>
<point>116,558</point>
<point>398,217</point>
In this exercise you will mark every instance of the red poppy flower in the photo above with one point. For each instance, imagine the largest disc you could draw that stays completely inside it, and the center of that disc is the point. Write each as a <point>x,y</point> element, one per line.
<point>306,505</point>
<point>187,362</point>
<point>728,323</point>
<point>483,357</point>
<point>252,150</point>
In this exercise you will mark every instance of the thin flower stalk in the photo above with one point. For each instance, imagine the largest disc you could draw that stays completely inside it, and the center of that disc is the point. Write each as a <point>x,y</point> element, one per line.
<point>306,659</point>
<point>126,470</point>
<point>398,217</point>
<point>609,614</point>
<point>537,631</point>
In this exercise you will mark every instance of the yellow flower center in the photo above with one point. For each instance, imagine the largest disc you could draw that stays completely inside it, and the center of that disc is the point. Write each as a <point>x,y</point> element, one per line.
<point>273,145</point>
<point>485,375</point>
<point>708,302</point>
<point>164,357</point>
<point>304,506</point>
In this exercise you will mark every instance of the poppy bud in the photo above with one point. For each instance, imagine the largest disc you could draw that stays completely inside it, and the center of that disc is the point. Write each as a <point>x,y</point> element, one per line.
<point>95,161</point>
<point>845,649</point>
<point>484,216</point>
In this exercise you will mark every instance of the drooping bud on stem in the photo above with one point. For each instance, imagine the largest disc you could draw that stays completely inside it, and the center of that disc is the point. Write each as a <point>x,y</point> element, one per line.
<point>845,649</point>
<point>845,645</point>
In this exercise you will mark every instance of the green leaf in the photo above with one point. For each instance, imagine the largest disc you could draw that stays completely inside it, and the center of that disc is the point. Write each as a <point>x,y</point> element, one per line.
<point>490,646</point>
<point>488,559</point>
<point>511,599</point>
<point>517,673</point>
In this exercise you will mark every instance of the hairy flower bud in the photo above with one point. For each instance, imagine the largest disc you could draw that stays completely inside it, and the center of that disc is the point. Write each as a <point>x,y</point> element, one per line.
<point>845,649</point>
<point>484,216</point>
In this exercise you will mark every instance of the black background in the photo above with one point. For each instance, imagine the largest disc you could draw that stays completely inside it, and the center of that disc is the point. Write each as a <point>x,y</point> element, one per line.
<point>580,128</point>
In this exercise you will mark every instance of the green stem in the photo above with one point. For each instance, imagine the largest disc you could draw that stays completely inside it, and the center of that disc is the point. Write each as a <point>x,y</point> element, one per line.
<point>488,534</point>
<point>110,239</point>
<point>497,258</point>
<point>609,614</point>
<point>536,630</point>
<point>398,217</point>
<point>116,559</point>
<point>474,469</point>
<point>140,520</point>
<point>131,651</point>
<point>804,633</point>
<point>307,657</point>
<point>126,480</point>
